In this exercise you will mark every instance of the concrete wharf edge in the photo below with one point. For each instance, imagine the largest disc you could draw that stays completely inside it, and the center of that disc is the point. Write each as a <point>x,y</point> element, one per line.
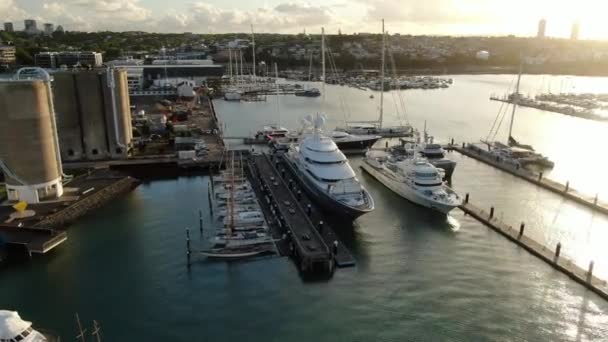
<point>296,221</point>
<point>561,263</point>
<point>535,179</point>
<point>36,240</point>
<point>343,257</point>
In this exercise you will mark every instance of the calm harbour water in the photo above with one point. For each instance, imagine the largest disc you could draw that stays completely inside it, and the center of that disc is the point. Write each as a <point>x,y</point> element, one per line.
<point>419,277</point>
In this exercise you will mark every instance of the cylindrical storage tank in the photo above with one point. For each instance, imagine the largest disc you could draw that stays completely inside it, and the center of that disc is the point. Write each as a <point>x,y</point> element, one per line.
<point>118,109</point>
<point>28,142</point>
<point>91,85</point>
<point>69,116</point>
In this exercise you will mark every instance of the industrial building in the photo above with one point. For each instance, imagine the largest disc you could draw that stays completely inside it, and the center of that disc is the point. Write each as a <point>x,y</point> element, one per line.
<point>51,60</point>
<point>93,114</point>
<point>7,54</point>
<point>29,152</point>
<point>46,60</point>
<point>8,27</point>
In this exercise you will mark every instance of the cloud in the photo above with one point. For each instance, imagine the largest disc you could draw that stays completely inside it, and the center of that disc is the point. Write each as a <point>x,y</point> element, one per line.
<point>9,11</point>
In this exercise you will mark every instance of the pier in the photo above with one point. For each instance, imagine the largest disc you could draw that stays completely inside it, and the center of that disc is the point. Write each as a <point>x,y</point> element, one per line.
<point>314,243</point>
<point>552,257</point>
<point>308,247</point>
<point>535,178</point>
<point>21,242</point>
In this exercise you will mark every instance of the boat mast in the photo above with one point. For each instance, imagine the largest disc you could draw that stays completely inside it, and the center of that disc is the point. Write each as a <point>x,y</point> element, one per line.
<point>230,65</point>
<point>382,77</point>
<point>276,83</point>
<point>322,67</point>
<point>310,67</point>
<point>81,332</point>
<point>242,75</point>
<point>253,52</point>
<point>231,206</point>
<point>515,101</point>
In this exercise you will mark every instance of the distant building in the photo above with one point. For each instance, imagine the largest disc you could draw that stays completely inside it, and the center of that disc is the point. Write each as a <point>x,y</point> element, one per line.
<point>49,29</point>
<point>542,27</point>
<point>47,60</point>
<point>575,30</point>
<point>7,55</point>
<point>482,55</point>
<point>8,27</point>
<point>30,26</point>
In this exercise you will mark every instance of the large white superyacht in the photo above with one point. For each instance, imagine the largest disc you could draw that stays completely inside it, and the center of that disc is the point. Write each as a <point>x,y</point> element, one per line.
<point>327,176</point>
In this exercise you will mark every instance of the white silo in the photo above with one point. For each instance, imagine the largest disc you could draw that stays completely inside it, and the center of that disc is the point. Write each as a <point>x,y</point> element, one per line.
<point>29,149</point>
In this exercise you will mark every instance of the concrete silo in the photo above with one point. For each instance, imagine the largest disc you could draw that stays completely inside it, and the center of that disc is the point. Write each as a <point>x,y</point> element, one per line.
<point>69,116</point>
<point>93,114</point>
<point>29,155</point>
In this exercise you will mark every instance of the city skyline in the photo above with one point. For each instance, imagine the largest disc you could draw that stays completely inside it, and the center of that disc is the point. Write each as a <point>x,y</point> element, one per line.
<point>436,17</point>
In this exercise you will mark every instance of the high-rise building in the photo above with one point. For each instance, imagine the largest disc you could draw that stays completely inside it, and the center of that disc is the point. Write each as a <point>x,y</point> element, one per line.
<point>30,26</point>
<point>49,29</point>
<point>575,30</point>
<point>542,27</point>
<point>8,27</point>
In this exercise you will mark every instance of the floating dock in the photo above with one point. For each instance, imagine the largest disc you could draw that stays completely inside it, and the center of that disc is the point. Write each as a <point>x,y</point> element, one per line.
<point>552,257</point>
<point>535,178</point>
<point>314,244</point>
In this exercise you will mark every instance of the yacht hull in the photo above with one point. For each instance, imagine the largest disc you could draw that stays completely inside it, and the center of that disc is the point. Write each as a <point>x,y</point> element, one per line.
<point>326,202</point>
<point>405,191</point>
<point>356,144</point>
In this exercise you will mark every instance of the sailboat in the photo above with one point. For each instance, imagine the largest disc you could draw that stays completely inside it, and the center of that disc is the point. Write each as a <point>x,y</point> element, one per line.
<point>378,127</point>
<point>235,240</point>
<point>232,93</point>
<point>513,152</point>
<point>273,131</point>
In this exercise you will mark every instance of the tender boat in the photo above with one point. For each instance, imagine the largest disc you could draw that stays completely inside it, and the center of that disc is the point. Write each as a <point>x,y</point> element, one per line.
<point>312,92</point>
<point>232,94</point>
<point>346,141</point>
<point>414,179</point>
<point>13,329</point>
<point>326,175</point>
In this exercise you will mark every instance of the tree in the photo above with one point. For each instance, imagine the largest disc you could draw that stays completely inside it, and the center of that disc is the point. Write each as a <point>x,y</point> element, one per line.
<point>23,57</point>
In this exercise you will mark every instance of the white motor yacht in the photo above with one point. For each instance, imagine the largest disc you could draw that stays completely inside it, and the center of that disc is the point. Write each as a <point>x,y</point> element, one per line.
<point>326,175</point>
<point>414,179</point>
<point>13,329</point>
<point>232,94</point>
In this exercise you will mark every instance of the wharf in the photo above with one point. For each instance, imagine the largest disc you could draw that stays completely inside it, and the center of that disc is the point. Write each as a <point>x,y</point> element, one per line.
<point>567,110</point>
<point>552,257</point>
<point>343,257</point>
<point>535,178</point>
<point>32,240</point>
<point>81,195</point>
<point>309,248</point>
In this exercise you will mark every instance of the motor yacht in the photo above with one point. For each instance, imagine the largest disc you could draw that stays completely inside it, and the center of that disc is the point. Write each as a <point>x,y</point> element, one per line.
<point>326,175</point>
<point>414,179</point>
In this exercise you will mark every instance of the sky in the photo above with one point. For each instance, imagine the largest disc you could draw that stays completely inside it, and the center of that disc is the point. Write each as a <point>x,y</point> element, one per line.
<point>431,17</point>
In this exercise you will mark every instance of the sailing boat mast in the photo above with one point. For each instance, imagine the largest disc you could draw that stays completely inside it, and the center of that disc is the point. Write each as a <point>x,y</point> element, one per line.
<point>276,75</point>
<point>230,65</point>
<point>241,57</point>
<point>231,208</point>
<point>322,66</point>
<point>382,77</point>
<point>515,101</point>
<point>253,52</point>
